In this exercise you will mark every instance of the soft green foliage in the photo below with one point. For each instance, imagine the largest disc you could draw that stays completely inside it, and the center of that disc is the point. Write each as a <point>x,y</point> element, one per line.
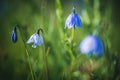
<point>59,58</point>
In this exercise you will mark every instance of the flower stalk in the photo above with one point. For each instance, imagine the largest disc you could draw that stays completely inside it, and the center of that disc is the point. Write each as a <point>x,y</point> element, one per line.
<point>45,62</point>
<point>44,56</point>
<point>27,53</point>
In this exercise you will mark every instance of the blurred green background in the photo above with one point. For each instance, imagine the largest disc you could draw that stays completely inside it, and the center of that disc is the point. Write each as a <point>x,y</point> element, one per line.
<point>50,15</point>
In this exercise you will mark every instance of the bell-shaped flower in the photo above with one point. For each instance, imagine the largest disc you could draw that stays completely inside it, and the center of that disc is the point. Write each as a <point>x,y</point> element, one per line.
<point>73,20</point>
<point>92,45</point>
<point>14,35</point>
<point>36,39</point>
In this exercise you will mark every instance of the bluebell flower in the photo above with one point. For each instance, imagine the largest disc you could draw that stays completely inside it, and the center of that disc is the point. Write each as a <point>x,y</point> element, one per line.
<point>92,45</point>
<point>36,39</point>
<point>14,35</point>
<point>73,20</point>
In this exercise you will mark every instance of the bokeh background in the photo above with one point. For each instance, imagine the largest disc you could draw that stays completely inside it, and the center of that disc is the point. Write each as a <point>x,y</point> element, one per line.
<point>50,15</point>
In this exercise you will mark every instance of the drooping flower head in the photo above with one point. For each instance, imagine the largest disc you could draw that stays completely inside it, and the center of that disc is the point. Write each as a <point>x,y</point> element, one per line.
<point>14,35</point>
<point>73,20</point>
<point>92,45</point>
<point>36,39</point>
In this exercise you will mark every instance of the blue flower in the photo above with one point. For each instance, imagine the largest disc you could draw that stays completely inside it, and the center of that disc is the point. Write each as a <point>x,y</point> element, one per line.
<point>73,20</point>
<point>36,39</point>
<point>14,35</point>
<point>92,44</point>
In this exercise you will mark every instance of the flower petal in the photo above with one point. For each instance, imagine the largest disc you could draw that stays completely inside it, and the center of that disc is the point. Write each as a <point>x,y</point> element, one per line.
<point>92,44</point>
<point>31,39</point>
<point>69,22</point>
<point>73,20</point>
<point>14,36</point>
<point>34,46</point>
<point>78,21</point>
<point>36,39</point>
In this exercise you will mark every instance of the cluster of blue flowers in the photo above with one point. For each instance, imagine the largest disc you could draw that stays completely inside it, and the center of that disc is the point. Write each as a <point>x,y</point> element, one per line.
<point>92,44</point>
<point>36,38</point>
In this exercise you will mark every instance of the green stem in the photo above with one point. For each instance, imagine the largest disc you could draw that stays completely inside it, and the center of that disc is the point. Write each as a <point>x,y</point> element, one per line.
<point>29,63</point>
<point>28,56</point>
<point>72,37</point>
<point>72,34</point>
<point>72,56</point>
<point>45,59</point>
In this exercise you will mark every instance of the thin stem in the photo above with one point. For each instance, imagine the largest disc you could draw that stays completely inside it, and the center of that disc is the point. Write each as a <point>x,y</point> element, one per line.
<point>29,63</point>
<point>28,56</point>
<point>72,34</point>
<point>45,59</point>
<point>72,56</point>
<point>72,37</point>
